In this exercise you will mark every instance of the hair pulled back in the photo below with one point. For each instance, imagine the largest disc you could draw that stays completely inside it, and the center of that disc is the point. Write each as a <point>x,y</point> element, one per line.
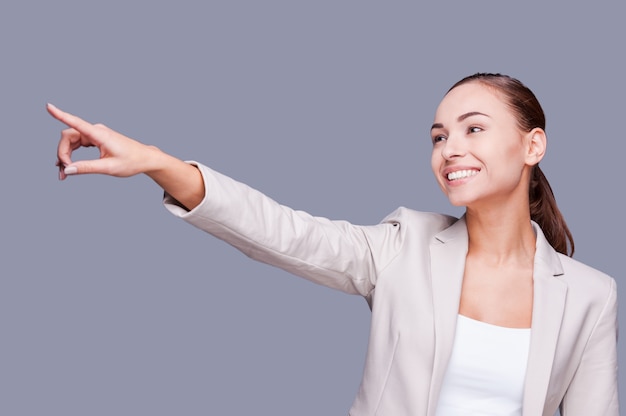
<point>529,114</point>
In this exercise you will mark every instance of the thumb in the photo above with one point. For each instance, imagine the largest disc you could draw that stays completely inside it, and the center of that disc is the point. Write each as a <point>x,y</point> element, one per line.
<point>87,167</point>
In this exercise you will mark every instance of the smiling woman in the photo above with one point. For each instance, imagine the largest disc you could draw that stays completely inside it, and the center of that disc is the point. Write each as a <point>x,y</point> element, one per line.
<point>483,314</point>
<point>530,119</point>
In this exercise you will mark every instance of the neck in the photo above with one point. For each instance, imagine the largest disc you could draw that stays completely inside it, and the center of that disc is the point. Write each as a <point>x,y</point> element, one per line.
<point>502,235</point>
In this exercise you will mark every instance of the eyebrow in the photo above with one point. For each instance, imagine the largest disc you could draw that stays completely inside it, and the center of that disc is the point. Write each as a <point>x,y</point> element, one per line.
<point>460,118</point>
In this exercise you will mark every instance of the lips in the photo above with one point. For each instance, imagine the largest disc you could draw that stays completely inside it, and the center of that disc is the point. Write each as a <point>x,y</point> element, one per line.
<point>461,174</point>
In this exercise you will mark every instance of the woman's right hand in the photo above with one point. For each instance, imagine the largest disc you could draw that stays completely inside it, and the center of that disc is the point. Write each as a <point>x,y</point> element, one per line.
<point>122,156</point>
<point>119,155</point>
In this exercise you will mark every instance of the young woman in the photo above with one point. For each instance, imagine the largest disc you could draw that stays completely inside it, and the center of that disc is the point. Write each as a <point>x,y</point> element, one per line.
<point>486,314</point>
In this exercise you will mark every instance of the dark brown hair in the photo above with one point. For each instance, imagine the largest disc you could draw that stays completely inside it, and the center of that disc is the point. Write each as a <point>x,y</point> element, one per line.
<point>529,114</point>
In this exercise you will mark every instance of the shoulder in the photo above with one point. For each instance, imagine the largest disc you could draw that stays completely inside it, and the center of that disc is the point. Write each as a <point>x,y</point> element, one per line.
<point>586,280</point>
<point>585,284</point>
<point>408,228</point>
<point>591,294</point>
<point>429,222</point>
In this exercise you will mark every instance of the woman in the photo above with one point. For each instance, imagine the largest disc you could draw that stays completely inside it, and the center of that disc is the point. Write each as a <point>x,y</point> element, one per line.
<point>485,314</point>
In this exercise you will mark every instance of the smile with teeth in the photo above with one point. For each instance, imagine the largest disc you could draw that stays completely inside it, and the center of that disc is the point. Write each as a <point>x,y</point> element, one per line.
<point>462,174</point>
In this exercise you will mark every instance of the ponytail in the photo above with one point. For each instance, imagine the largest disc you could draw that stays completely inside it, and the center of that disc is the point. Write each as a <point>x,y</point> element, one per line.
<point>544,211</point>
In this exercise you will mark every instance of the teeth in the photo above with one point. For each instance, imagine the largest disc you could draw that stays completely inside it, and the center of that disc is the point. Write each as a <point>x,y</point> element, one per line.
<point>460,174</point>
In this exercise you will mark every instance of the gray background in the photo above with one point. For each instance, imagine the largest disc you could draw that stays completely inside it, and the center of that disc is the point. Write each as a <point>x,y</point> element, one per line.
<point>109,305</point>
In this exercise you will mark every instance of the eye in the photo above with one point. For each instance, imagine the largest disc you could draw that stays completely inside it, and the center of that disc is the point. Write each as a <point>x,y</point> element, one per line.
<point>438,138</point>
<point>474,129</point>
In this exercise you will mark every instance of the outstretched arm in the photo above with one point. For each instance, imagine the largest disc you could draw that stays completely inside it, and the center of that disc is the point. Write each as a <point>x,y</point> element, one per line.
<point>122,156</point>
<point>332,253</point>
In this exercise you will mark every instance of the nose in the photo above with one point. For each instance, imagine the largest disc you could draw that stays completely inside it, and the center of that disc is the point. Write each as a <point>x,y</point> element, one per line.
<point>452,148</point>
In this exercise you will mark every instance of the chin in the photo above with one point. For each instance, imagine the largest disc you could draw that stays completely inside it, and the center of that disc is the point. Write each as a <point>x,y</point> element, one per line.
<point>458,203</point>
<point>459,200</point>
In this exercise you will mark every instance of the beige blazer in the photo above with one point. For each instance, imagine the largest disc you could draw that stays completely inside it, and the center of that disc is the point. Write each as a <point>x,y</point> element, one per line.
<point>409,268</point>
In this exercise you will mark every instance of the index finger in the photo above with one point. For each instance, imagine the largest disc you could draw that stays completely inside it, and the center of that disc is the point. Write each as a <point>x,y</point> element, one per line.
<point>70,120</point>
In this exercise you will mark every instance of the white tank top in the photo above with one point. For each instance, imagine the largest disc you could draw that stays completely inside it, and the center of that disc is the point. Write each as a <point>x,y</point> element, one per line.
<point>486,372</point>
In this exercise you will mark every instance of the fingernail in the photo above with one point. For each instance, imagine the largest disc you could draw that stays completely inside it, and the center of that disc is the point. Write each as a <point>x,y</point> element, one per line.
<point>70,170</point>
<point>50,105</point>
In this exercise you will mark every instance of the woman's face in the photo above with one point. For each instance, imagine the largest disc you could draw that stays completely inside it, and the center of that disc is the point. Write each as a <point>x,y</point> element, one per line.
<point>479,153</point>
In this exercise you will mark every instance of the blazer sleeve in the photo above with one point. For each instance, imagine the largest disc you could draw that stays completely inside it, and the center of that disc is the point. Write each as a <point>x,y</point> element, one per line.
<point>593,390</point>
<point>332,253</point>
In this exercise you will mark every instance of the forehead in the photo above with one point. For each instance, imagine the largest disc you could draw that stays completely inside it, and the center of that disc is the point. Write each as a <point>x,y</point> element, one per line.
<point>473,96</point>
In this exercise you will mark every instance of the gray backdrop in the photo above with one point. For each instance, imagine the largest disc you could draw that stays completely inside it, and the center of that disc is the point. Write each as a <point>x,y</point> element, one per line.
<point>109,305</point>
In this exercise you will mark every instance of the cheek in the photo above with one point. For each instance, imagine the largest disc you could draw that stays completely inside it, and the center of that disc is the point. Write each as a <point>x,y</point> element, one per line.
<point>435,162</point>
<point>511,155</point>
<point>510,165</point>
<point>516,157</point>
<point>515,149</point>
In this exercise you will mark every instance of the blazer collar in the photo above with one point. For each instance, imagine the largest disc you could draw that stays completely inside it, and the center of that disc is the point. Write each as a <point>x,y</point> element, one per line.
<point>549,293</point>
<point>447,261</point>
<point>448,251</point>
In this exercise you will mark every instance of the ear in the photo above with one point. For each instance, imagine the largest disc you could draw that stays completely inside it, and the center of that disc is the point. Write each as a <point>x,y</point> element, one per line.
<point>536,142</point>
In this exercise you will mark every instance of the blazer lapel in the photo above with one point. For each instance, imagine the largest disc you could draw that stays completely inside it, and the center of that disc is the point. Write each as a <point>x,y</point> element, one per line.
<point>549,295</point>
<point>448,251</point>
